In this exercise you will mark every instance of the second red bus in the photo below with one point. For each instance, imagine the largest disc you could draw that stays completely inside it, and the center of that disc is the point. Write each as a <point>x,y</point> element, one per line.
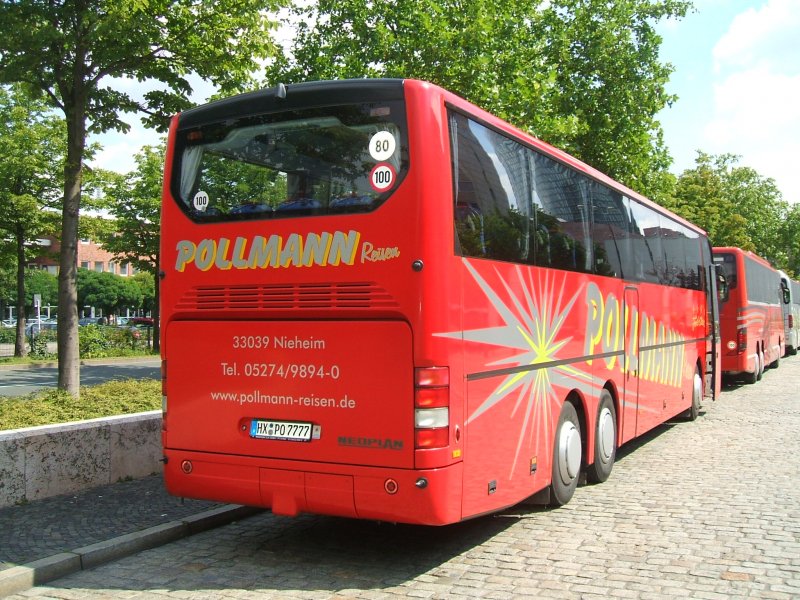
<point>751,318</point>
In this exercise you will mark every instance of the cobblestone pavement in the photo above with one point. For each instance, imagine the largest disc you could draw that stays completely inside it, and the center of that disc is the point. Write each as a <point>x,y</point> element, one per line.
<point>45,527</point>
<point>708,510</point>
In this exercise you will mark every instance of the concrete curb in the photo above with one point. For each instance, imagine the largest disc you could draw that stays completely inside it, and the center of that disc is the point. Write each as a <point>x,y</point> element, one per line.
<point>18,579</point>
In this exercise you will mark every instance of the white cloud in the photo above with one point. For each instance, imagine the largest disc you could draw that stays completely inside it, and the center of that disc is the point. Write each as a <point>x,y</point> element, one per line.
<point>757,86</point>
<point>763,36</point>
<point>119,150</point>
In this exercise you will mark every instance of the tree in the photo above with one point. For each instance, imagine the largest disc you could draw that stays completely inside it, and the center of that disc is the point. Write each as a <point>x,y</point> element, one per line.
<point>790,239</point>
<point>39,281</point>
<point>68,50</point>
<point>147,285</point>
<point>135,202</point>
<point>32,144</point>
<point>107,291</point>
<point>735,205</point>
<point>581,74</point>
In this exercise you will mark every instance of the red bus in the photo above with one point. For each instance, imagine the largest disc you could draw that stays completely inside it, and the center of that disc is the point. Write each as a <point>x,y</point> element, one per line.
<point>382,302</point>
<point>751,319</point>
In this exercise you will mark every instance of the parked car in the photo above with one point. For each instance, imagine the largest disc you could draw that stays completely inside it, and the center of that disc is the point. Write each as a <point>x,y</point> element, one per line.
<point>34,327</point>
<point>148,321</point>
<point>8,323</point>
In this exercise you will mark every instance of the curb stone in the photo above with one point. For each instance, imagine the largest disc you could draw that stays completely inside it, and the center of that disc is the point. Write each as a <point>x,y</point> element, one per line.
<point>23,577</point>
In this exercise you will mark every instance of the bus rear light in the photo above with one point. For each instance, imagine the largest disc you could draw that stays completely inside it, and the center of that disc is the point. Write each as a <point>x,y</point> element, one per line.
<point>432,377</point>
<point>431,418</point>
<point>791,321</point>
<point>432,407</point>
<point>432,397</point>
<point>432,438</point>
<point>741,340</point>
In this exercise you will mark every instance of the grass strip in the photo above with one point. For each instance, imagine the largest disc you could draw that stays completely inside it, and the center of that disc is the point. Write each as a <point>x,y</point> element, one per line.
<point>50,406</point>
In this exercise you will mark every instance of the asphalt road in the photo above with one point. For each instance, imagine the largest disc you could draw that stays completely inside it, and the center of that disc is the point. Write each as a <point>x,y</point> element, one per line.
<point>21,381</point>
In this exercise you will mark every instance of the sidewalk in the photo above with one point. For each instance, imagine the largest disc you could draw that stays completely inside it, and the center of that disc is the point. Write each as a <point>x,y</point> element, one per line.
<point>53,537</point>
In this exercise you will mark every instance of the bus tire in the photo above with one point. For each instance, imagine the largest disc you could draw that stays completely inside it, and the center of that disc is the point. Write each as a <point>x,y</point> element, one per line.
<point>605,440</point>
<point>761,366</point>
<point>697,396</point>
<point>567,456</point>
<point>751,378</point>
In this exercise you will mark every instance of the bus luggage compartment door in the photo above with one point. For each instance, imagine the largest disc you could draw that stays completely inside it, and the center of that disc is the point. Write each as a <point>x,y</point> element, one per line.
<point>321,391</point>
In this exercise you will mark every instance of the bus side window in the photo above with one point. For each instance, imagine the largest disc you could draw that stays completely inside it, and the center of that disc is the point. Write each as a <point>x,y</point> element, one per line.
<point>491,192</point>
<point>610,230</point>
<point>562,217</point>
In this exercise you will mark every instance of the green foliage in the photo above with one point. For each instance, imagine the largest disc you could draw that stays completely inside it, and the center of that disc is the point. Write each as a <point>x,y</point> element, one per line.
<point>582,74</point>
<point>100,341</point>
<point>53,406</point>
<point>66,51</point>
<point>790,240</point>
<point>134,201</point>
<point>92,342</point>
<point>737,207</point>
<point>39,281</point>
<point>38,343</point>
<point>108,291</point>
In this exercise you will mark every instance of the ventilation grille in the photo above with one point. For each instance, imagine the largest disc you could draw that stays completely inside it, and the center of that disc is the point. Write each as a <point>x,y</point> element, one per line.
<point>331,296</point>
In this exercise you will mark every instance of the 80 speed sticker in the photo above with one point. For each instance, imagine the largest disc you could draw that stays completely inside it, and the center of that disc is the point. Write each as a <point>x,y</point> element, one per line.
<point>382,177</point>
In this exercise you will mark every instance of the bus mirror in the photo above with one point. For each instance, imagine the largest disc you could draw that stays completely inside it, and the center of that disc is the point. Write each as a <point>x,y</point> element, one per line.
<point>722,285</point>
<point>787,297</point>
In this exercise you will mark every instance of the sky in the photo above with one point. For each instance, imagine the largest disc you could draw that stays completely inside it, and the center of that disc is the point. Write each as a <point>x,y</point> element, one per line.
<point>737,78</point>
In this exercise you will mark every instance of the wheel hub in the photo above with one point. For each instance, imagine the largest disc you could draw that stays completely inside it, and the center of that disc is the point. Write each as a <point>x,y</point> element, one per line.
<point>569,452</point>
<point>606,433</point>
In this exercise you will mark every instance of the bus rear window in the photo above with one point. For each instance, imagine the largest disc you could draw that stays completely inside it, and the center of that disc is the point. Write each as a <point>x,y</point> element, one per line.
<point>316,161</point>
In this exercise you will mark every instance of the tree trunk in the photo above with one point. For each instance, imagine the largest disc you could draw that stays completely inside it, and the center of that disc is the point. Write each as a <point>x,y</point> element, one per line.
<point>20,349</point>
<point>68,349</point>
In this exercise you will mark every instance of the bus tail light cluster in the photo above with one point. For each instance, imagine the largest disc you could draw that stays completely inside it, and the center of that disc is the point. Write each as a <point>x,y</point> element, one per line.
<point>741,340</point>
<point>791,321</point>
<point>431,407</point>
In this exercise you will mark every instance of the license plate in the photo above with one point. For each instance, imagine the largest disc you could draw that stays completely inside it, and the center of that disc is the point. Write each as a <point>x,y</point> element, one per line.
<point>293,431</point>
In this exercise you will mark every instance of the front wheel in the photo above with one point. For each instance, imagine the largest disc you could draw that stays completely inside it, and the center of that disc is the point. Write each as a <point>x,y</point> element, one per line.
<point>697,396</point>
<point>605,440</point>
<point>756,374</point>
<point>567,456</point>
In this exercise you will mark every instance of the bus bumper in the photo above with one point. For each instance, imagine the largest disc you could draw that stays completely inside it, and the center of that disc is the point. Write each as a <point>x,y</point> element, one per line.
<point>425,497</point>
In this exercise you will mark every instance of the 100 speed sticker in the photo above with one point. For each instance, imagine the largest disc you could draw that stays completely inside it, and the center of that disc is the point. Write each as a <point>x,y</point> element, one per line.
<point>382,177</point>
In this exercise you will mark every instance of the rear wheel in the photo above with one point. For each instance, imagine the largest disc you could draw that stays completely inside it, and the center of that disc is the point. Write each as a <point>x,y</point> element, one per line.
<point>567,456</point>
<point>605,440</point>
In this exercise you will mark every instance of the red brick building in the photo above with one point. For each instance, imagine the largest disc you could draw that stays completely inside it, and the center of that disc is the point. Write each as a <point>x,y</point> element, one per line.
<point>90,256</point>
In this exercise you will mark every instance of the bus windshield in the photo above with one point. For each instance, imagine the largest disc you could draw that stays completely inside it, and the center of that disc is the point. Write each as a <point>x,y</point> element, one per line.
<point>323,160</point>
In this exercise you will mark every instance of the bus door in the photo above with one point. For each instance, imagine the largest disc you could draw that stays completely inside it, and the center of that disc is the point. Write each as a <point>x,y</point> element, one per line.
<point>630,390</point>
<point>714,294</point>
